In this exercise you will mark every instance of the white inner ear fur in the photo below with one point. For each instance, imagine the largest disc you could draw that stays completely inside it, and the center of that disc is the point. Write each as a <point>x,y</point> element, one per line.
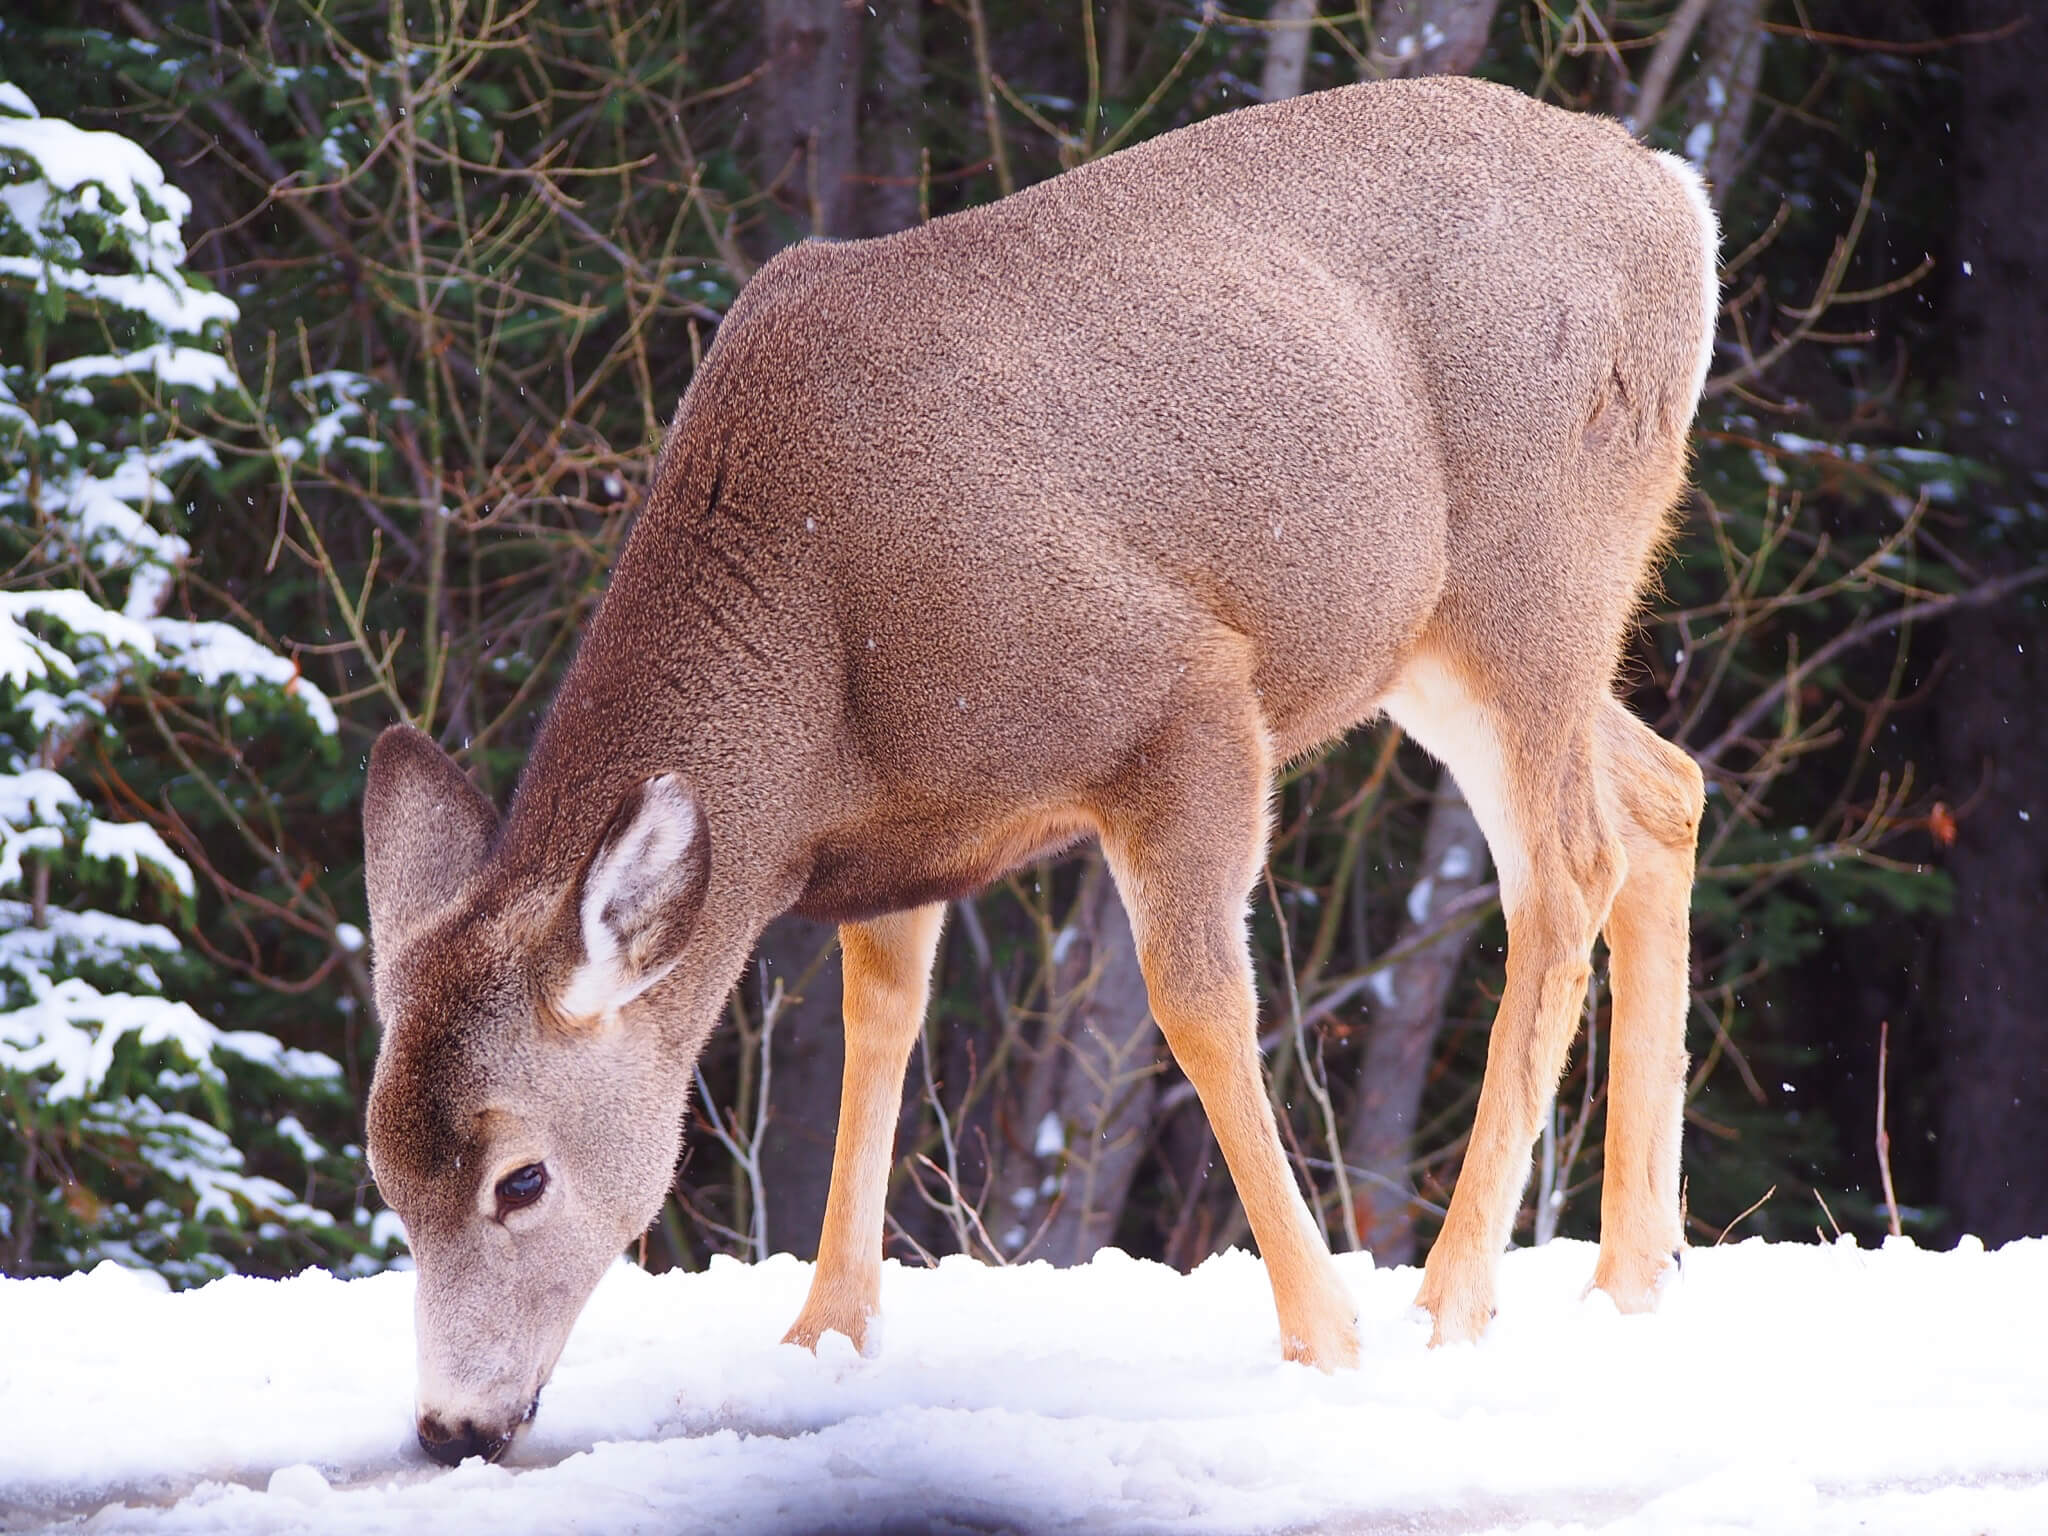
<point>640,869</point>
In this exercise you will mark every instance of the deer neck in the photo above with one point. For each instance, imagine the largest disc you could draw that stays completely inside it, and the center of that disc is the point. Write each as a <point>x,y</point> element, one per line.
<point>710,657</point>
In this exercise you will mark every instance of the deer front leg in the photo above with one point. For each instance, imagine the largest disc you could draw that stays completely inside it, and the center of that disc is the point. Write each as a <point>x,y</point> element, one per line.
<point>887,965</point>
<point>1212,1028</point>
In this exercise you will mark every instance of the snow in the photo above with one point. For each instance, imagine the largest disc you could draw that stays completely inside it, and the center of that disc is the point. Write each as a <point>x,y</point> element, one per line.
<point>295,1132</point>
<point>103,509</point>
<point>25,655</point>
<point>49,713</point>
<point>174,366</point>
<point>199,1156</point>
<point>1052,1136</point>
<point>165,297</point>
<point>331,425</point>
<point>71,1027</point>
<point>32,810</point>
<point>1700,143</point>
<point>1781,1388</point>
<point>35,794</point>
<point>1418,899</point>
<point>218,654</point>
<point>99,938</point>
<point>13,844</point>
<point>134,843</point>
<point>70,157</point>
<point>103,174</point>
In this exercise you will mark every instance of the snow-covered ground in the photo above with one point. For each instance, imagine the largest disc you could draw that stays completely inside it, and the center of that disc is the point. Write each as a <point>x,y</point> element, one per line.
<point>1781,1388</point>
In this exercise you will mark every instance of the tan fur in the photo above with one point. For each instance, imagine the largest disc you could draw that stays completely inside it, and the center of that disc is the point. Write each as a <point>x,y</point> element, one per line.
<point>887,965</point>
<point>1075,515</point>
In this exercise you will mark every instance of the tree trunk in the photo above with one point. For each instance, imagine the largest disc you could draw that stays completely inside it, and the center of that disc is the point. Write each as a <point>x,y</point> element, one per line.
<point>1431,37</point>
<point>894,130</point>
<point>1078,1130</point>
<point>1406,1016</point>
<point>1994,730</point>
<point>808,1055</point>
<point>1287,48</point>
<point>803,110</point>
<point>1724,93</point>
<point>1116,50</point>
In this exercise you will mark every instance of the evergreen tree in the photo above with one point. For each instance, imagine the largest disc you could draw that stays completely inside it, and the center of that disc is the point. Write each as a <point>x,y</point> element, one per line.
<point>126,1112</point>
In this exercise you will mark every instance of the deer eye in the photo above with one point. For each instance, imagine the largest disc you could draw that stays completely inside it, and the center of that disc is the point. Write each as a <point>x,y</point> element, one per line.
<point>522,1186</point>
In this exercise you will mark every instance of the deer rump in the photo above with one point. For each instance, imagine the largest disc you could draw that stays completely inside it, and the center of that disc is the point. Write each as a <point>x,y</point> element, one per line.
<point>1078,514</point>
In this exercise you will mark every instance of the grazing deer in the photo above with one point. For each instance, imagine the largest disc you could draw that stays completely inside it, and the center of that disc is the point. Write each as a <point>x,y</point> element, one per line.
<point>1071,516</point>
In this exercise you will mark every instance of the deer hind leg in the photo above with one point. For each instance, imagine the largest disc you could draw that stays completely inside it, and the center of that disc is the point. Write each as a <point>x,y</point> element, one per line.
<point>887,965</point>
<point>1185,843</point>
<point>1655,791</point>
<point>1529,773</point>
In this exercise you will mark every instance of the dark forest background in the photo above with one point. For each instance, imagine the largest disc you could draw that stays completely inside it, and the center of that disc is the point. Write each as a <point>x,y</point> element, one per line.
<point>485,241</point>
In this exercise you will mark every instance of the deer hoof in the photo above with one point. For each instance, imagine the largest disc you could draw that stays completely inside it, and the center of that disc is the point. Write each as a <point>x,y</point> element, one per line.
<point>1634,1282</point>
<point>810,1327</point>
<point>1459,1303</point>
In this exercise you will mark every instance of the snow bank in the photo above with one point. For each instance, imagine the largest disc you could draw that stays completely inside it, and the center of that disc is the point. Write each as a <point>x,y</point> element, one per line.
<point>1781,1389</point>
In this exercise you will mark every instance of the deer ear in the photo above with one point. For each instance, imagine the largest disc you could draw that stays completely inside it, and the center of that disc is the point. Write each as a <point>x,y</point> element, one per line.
<point>425,831</point>
<point>639,896</point>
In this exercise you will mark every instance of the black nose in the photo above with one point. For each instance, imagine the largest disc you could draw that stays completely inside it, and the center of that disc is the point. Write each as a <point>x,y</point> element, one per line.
<point>452,1446</point>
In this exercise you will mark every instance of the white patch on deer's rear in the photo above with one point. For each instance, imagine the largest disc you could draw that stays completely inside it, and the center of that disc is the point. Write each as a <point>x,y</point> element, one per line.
<point>1431,703</point>
<point>632,876</point>
<point>1688,177</point>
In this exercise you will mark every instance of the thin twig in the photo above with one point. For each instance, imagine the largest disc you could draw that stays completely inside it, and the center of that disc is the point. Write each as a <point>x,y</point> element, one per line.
<point>1750,1210</point>
<point>1823,1199</point>
<point>977,24</point>
<point>1318,1089</point>
<point>1855,635</point>
<point>1884,1136</point>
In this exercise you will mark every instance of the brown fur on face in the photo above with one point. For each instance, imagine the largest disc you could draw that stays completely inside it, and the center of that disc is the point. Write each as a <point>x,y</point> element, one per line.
<point>1075,515</point>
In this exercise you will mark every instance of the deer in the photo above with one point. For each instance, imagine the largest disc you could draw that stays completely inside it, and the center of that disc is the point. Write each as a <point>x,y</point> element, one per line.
<point>1077,515</point>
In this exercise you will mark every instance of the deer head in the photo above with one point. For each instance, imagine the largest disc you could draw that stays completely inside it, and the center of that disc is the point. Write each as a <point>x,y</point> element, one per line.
<point>529,1094</point>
